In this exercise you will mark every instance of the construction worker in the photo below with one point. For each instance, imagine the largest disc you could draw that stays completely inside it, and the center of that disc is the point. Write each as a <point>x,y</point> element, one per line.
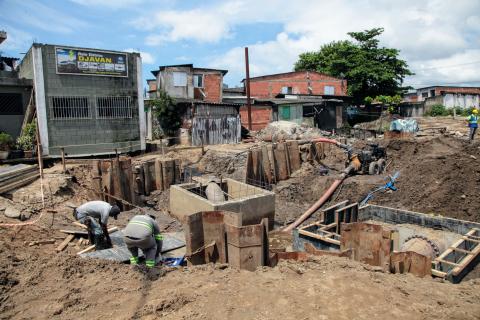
<point>97,230</point>
<point>472,121</point>
<point>142,232</point>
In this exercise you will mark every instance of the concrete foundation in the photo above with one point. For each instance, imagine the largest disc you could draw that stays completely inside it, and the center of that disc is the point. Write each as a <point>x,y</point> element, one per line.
<point>252,203</point>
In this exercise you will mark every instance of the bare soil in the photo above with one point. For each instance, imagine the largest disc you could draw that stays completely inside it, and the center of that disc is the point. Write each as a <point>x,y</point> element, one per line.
<point>36,283</point>
<point>438,174</point>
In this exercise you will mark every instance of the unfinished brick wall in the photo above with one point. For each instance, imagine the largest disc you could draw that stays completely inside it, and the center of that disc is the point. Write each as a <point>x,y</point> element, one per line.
<point>152,85</point>
<point>212,86</point>
<point>261,116</point>
<point>270,86</point>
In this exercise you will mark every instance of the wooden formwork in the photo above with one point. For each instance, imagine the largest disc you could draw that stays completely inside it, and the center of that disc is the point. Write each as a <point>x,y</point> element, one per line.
<point>275,162</point>
<point>459,259</point>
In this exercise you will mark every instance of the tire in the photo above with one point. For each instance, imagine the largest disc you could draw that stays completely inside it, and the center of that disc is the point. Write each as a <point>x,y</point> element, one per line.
<point>373,168</point>
<point>381,165</point>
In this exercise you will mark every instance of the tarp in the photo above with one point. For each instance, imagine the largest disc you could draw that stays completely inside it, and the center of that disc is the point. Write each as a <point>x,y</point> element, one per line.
<point>404,125</point>
<point>120,253</point>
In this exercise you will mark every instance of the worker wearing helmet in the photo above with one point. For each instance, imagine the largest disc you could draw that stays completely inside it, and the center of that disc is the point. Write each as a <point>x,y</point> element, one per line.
<point>473,123</point>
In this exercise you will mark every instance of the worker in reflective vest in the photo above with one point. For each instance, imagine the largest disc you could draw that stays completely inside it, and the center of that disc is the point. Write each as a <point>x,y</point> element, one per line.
<point>142,232</point>
<point>473,123</point>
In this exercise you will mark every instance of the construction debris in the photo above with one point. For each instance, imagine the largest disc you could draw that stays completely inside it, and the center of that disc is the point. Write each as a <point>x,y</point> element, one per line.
<point>17,176</point>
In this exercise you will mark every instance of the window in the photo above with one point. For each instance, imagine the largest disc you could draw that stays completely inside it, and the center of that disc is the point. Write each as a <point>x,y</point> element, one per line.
<point>11,104</point>
<point>198,80</point>
<point>69,108</point>
<point>432,93</point>
<point>287,90</point>
<point>329,90</point>
<point>115,107</point>
<point>425,94</point>
<point>180,79</point>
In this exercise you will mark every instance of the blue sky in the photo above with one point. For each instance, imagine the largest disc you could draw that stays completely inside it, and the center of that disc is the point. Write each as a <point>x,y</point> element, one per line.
<point>439,39</point>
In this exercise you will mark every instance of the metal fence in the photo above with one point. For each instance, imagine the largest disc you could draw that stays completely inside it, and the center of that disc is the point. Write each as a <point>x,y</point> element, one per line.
<point>216,129</point>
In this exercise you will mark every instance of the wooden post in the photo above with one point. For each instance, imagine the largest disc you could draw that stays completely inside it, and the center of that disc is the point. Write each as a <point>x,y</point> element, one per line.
<point>63,161</point>
<point>39,151</point>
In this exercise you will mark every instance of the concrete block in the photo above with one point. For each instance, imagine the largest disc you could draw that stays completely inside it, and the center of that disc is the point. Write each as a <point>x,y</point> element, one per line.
<point>251,202</point>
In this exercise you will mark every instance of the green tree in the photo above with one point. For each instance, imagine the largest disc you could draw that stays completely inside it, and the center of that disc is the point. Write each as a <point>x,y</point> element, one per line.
<point>165,110</point>
<point>370,70</point>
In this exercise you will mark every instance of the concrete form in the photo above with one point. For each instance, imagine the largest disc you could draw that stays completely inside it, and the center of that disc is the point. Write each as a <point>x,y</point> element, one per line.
<point>252,203</point>
<point>396,240</point>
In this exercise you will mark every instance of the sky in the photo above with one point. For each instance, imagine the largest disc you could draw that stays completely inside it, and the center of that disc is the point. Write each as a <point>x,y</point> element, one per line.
<point>439,39</point>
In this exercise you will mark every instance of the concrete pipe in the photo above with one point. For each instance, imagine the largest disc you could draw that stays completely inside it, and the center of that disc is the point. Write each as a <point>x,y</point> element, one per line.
<point>421,245</point>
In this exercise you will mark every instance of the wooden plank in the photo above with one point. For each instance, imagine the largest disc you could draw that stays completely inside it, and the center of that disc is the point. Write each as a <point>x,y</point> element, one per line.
<point>438,273</point>
<point>116,177</point>
<point>249,167</point>
<point>176,171</point>
<point>319,237</point>
<point>267,168</point>
<point>65,243</point>
<point>319,149</point>
<point>18,184</point>
<point>448,262</point>
<point>460,250</point>
<point>271,159</point>
<point>158,174</point>
<point>88,249</point>
<point>168,171</point>
<point>281,162</point>
<point>148,181</point>
<point>256,175</point>
<point>81,225</point>
<point>294,155</point>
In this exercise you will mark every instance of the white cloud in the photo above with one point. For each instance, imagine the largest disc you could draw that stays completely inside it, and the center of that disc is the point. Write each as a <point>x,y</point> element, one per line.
<point>17,40</point>
<point>147,58</point>
<point>429,32</point>
<point>40,16</point>
<point>114,4</point>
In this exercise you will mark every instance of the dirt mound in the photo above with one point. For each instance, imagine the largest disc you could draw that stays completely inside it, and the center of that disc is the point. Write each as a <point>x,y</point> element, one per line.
<point>225,164</point>
<point>38,284</point>
<point>440,176</point>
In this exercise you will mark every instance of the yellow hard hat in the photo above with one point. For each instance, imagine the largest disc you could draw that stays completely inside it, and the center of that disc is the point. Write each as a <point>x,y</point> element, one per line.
<point>475,111</point>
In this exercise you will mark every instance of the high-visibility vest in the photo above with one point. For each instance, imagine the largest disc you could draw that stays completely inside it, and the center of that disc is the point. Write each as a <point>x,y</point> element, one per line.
<point>473,119</point>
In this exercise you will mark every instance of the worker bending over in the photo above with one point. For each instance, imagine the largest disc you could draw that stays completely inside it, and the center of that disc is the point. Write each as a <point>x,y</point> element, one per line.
<point>142,232</point>
<point>473,123</point>
<point>97,230</point>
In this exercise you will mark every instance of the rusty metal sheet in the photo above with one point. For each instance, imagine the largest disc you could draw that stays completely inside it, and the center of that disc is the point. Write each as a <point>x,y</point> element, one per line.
<point>370,243</point>
<point>411,262</point>
<point>246,236</point>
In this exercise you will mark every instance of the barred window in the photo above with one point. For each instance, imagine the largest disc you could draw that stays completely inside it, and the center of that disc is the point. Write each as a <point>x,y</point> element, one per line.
<point>67,108</point>
<point>115,107</point>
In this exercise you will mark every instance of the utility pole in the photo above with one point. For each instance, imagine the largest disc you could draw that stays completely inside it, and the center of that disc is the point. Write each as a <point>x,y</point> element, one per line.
<point>247,88</point>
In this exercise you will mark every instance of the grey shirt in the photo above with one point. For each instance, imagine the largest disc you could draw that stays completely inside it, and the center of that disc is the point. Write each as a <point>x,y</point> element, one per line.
<point>141,227</point>
<point>94,209</point>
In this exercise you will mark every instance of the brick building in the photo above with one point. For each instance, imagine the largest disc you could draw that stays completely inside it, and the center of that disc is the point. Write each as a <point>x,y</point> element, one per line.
<point>297,82</point>
<point>88,101</point>
<point>187,82</point>
<point>198,95</point>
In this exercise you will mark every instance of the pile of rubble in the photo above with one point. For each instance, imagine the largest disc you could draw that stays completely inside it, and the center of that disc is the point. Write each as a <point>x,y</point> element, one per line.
<point>285,130</point>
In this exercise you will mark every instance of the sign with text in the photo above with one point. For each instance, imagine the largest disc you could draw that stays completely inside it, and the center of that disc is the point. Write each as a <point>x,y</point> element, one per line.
<point>91,62</point>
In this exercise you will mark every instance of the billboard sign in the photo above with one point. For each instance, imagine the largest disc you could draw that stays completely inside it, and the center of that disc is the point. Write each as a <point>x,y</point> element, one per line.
<point>90,62</point>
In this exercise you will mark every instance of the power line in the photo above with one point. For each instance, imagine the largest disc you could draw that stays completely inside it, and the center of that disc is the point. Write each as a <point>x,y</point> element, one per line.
<point>450,66</point>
